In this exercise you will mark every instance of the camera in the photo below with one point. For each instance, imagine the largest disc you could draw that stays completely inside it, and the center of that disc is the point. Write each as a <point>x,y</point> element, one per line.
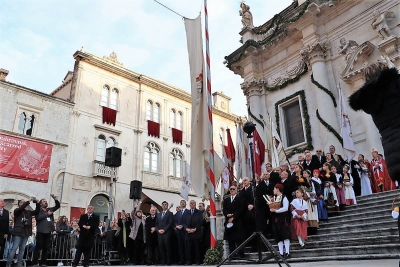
<point>34,199</point>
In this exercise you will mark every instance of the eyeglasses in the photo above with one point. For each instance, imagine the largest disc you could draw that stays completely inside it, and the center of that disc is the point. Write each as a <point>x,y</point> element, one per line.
<point>319,151</point>
<point>232,189</point>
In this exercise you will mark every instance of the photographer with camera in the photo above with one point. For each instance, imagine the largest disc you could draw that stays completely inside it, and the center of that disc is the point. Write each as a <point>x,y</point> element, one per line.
<point>22,230</point>
<point>45,227</point>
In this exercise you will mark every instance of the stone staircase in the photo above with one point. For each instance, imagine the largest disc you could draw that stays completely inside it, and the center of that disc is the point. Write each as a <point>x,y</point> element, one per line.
<point>363,231</point>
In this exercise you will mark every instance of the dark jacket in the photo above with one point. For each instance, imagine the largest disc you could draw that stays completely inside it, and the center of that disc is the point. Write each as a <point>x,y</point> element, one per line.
<point>4,225</point>
<point>380,97</point>
<point>236,232</point>
<point>193,221</point>
<point>165,223</point>
<point>87,236</point>
<point>320,161</point>
<point>128,224</point>
<point>23,220</point>
<point>151,238</point>
<point>44,222</point>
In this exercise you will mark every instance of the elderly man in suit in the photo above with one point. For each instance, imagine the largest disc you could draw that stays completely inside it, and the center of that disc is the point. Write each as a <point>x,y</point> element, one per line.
<point>192,222</point>
<point>4,226</point>
<point>233,208</point>
<point>164,226</point>
<point>88,223</point>
<point>180,231</point>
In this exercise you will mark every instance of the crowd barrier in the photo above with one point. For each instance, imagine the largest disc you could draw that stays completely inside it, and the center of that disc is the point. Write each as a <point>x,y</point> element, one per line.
<point>62,251</point>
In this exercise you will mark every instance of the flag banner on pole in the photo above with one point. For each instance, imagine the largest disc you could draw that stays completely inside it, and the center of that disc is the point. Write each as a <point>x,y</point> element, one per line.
<point>186,181</point>
<point>200,143</point>
<point>345,128</point>
<point>232,157</point>
<point>259,152</point>
<point>219,167</point>
<point>241,156</point>
<point>278,151</point>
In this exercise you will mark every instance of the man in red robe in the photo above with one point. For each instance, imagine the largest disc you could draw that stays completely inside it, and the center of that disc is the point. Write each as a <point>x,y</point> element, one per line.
<point>380,173</point>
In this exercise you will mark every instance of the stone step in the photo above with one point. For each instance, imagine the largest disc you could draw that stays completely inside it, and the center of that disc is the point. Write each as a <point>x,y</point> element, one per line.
<point>367,208</point>
<point>343,258</point>
<point>367,225</point>
<point>351,220</point>
<point>342,250</point>
<point>388,198</point>
<point>374,202</point>
<point>349,216</point>
<point>342,234</point>
<point>393,193</point>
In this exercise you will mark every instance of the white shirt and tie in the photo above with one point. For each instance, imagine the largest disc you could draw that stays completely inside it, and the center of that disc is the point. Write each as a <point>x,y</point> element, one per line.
<point>233,198</point>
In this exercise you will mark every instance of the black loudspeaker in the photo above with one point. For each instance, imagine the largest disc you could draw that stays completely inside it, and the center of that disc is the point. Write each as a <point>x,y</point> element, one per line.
<point>113,157</point>
<point>136,190</point>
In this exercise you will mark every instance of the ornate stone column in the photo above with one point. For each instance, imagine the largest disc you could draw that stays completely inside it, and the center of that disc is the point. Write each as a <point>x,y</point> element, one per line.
<point>314,55</point>
<point>253,90</point>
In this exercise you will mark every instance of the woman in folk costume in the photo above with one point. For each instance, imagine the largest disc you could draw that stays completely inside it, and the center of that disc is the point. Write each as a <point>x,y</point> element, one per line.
<point>329,181</point>
<point>312,217</point>
<point>366,188</point>
<point>340,193</point>
<point>281,221</point>
<point>348,186</point>
<point>299,209</point>
<point>319,191</point>
<point>380,172</point>
<point>303,183</point>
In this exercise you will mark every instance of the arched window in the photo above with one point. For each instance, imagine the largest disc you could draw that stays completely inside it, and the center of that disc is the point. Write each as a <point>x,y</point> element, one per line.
<point>179,121</point>
<point>172,118</point>
<point>176,163</point>
<point>151,157</point>
<point>101,148</point>
<point>114,99</point>
<point>110,142</point>
<point>152,111</point>
<point>156,114</point>
<point>21,123</point>
<point>104,95</point>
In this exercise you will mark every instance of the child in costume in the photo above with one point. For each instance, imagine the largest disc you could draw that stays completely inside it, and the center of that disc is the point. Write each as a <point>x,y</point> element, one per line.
<point>299,209</point>
<point>348,186</point>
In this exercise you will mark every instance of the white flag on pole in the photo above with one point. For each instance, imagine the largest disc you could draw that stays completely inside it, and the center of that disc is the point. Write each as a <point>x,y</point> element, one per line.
<point>186,181</point>
<point>278,152</point>
<point>200,143</point>
<point>345,128</point>
<point>240,167</point>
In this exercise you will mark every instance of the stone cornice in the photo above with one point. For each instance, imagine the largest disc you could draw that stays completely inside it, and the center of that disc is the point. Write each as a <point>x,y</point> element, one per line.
<point>225,115</point>
<point>318,51</point>
<point>131,75</point>
<point>106,129</point>
<point>222,94</point>
<point>32,138</point>
<point>36,93</point>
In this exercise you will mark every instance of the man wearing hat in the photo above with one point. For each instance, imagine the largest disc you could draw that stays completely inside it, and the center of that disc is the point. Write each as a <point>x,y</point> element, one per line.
<point>380,172</point>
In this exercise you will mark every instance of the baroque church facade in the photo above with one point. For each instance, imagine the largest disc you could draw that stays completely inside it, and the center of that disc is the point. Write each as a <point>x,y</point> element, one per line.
<point>293,65</point>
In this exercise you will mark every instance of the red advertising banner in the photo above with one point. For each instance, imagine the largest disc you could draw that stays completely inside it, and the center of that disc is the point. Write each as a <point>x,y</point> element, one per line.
<point>76,213</point>
<point>24,159</point>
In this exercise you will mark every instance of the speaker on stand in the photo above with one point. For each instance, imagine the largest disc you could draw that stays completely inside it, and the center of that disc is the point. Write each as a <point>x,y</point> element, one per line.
<point>136,190</point>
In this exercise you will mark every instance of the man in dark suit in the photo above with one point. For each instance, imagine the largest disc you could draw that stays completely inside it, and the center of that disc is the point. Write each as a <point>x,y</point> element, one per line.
<point>355,168</point>
<point>273,176</point>
<point>310,163</point>
<point>233,207</point>
<point>192,222</point>
<point>264,187</point>
<point>151,237</point>
<point>164,228</point>
<point>319,158</point>
<point>4,226</point>
<point>180,231</point>
<point>335,156</point>
<point>246,194</point>
<point>87,224</point>
<point>290,185</point>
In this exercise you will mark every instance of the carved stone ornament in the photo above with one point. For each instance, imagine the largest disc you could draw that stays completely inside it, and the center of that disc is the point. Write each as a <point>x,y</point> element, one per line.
<point>247,17</point>
<point>379,23</point>
<point>318,51</point>
<point>390,48</point>
<point>113,57</point>
<point>253,86</point>
<point>287,75</point>
<point>76,113</point>
<point>347,48</point>
<point>85,142</point>
<point>357,62</point>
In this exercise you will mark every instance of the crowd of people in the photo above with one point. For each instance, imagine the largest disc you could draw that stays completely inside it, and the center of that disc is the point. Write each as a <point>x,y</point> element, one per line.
<point>294,198</point>
<point>156,238</point>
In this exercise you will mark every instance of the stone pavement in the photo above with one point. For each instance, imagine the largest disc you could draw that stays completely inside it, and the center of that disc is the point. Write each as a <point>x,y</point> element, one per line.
<point>360,263</point>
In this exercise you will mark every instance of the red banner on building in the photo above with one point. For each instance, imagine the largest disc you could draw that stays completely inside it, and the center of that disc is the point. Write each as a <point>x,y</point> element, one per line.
<point>24,159</point>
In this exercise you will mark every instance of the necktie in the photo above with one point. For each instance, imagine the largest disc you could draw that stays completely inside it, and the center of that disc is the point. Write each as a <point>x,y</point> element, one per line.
<point>192,212</point>
<point>162,215</point>
<point>232,198</point>
<point>1,212</point>
<point>183,212</point>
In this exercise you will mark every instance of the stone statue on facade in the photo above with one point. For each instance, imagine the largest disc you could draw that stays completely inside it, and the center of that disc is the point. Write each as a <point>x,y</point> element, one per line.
<point>247,17</point>
<point>347,48</point>
<point>380,23</point>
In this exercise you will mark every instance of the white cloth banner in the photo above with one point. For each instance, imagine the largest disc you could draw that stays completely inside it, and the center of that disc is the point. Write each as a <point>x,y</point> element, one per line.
<point>186,181</point>
<point>240,167</point>
<point>278,152</point>
<point>345,128</point>
<point>200,143</point>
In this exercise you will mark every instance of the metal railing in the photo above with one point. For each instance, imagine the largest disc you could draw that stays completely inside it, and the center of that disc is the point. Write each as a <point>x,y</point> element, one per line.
<point>100,169</point>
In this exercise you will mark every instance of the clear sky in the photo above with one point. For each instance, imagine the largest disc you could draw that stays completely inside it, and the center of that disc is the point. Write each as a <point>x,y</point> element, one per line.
<point>39,37</point>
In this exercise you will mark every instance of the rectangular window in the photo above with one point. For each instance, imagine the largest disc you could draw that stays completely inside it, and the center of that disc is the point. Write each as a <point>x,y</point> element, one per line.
<point>156,114</point>
<point>147,160</point>
<point>149,111</point>
<point>172,118</point>
<point>154,162</point>
<point>293,124</point>
<point>179,121</point>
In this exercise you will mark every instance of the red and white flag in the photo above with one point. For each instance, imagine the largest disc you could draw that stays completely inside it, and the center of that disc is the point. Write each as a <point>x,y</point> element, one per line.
<point>186,181</point>
<point>200,143</point>
<point>259,152</point>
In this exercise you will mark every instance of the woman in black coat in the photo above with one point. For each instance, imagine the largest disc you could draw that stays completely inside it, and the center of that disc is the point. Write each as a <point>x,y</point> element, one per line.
<point>124,222</point>
<point>380,97</point>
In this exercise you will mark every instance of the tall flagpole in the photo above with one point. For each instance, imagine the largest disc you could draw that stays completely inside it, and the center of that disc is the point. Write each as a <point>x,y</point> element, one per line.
<point>213,234</point>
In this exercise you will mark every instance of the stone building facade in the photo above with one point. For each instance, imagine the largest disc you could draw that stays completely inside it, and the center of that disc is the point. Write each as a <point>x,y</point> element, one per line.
<point>103,84</point>
<point>32,117</point>
<point>293,65</point>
